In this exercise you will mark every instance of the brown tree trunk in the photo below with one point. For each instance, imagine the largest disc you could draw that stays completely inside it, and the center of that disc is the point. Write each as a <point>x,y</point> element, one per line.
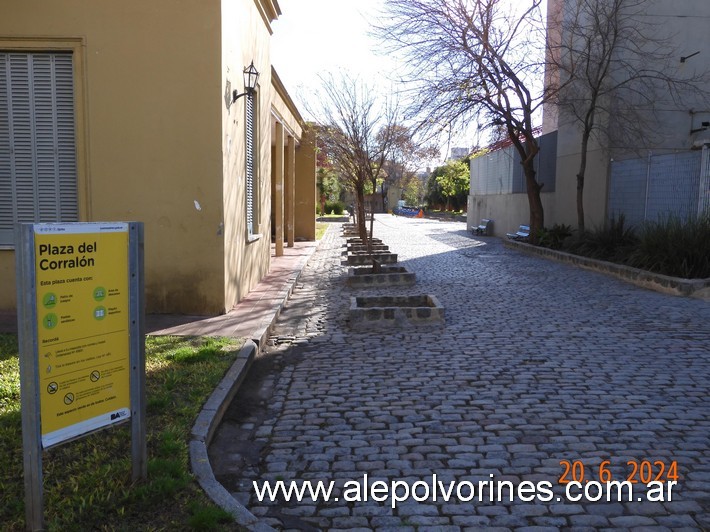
<point>537,213</point>
<point>580,180</point>
<point>360,208</point>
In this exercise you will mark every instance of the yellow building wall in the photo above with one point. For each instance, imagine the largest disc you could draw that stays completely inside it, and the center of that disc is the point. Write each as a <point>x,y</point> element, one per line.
<point>305,208</point>
<point>158,138</point>
<point>148,130</point>
<point>246,39</point>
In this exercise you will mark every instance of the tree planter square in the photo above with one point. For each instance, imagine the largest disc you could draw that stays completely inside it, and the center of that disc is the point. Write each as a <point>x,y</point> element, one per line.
<point>365,277</point>
<point>363,259</point>
<point>395,311</point>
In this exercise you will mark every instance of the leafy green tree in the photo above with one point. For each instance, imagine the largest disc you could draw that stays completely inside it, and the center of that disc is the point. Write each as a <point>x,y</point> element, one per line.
<point>453,180</point>
<point>434,198</point>
<point>413,191</point>
<point>329,186</point>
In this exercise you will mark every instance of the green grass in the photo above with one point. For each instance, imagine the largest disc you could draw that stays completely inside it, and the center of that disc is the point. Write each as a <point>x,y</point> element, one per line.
<point>87,482</point>
<point>321,228</point>
<point>331,215</point>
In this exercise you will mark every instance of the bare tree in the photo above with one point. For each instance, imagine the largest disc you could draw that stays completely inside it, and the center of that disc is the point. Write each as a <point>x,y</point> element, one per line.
<point>481,59</point>
<point>613,68</point>
<point>357,133</point>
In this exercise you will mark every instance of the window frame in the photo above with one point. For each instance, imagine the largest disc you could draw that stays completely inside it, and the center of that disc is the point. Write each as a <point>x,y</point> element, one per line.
<point>76,48</point>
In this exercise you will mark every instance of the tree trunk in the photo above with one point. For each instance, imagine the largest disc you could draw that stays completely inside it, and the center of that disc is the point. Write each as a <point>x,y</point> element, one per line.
<point>360,208</point>
<point>537,213</point>
<point>369,239</point>
<point>580,181</point>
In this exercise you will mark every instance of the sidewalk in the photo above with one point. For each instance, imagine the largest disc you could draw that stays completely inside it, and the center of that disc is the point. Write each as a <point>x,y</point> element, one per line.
<point>251,318</point>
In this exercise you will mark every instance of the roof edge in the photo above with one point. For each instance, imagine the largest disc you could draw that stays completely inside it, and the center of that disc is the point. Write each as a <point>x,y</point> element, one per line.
<point>269,11</point>
<point>285,96</point>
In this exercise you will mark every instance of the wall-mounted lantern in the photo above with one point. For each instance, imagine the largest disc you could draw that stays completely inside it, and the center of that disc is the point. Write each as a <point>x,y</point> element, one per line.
<point>251,76</point>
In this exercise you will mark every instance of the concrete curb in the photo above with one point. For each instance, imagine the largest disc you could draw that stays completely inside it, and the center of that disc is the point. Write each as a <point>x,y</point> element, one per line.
<point>214,408</point>
<point>203,431</point>
<point>677,286</point>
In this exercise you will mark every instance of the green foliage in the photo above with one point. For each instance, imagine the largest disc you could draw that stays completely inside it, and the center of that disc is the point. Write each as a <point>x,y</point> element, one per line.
<point>613,242</point>
<point>434,197</point>
<point>454,179</point>
<point>9,385</point>
<point>321,228</point>
<point>87,482</point>
<point>555,236</point>
<point>671,246</point>
<point>448,186</point>
<point>479,153</point>
<point>329,184</point>
<point>208,518</point>
<point>334,207</point>
<point>413,191</point>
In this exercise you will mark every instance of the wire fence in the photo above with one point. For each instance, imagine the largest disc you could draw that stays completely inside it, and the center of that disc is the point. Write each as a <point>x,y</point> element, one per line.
<point>655,187</point>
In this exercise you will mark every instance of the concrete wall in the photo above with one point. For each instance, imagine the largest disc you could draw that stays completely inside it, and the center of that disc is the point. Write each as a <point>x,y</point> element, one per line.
<point>686,25</point>
<point>595,183</point>
<point>508,211</point>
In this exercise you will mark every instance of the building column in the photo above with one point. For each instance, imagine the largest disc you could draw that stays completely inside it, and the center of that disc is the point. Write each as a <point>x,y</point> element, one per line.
<point>290,190</point>
<point>279,188</point>
<point>305,204</point>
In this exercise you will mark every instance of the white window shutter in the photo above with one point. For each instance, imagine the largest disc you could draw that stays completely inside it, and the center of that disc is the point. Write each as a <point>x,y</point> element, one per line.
<point>250,162</point>
<point>7,211</point>
<point>38,181</point>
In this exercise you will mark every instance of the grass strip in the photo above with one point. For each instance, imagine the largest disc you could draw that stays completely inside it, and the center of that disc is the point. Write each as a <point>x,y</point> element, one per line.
<point>87,482</point>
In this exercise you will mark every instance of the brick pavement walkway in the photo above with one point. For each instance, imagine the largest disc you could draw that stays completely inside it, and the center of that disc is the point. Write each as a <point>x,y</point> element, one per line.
<point>538,362</point>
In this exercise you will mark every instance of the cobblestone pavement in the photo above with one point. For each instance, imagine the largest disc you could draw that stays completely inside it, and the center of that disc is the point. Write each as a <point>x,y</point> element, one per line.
<point>538,363</point>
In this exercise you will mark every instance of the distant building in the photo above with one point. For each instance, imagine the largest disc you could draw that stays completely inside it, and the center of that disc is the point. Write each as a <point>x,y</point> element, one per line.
<point>458,153</point>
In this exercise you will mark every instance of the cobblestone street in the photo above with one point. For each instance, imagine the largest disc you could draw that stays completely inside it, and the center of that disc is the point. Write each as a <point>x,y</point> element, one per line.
<point>538,362</point>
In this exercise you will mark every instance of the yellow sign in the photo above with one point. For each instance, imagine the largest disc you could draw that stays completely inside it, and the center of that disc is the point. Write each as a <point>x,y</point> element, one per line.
<point>82,291</point>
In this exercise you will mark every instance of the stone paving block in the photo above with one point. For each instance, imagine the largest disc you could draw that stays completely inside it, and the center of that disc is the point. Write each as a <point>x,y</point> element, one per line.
<point>678,521</point>
<point>596,370</point>
<point>588,520</point>
<point>537,529</point>
<point>631,521</point>
<point>349,523</point>
<point>407,510</point>
<point>509,521</point>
